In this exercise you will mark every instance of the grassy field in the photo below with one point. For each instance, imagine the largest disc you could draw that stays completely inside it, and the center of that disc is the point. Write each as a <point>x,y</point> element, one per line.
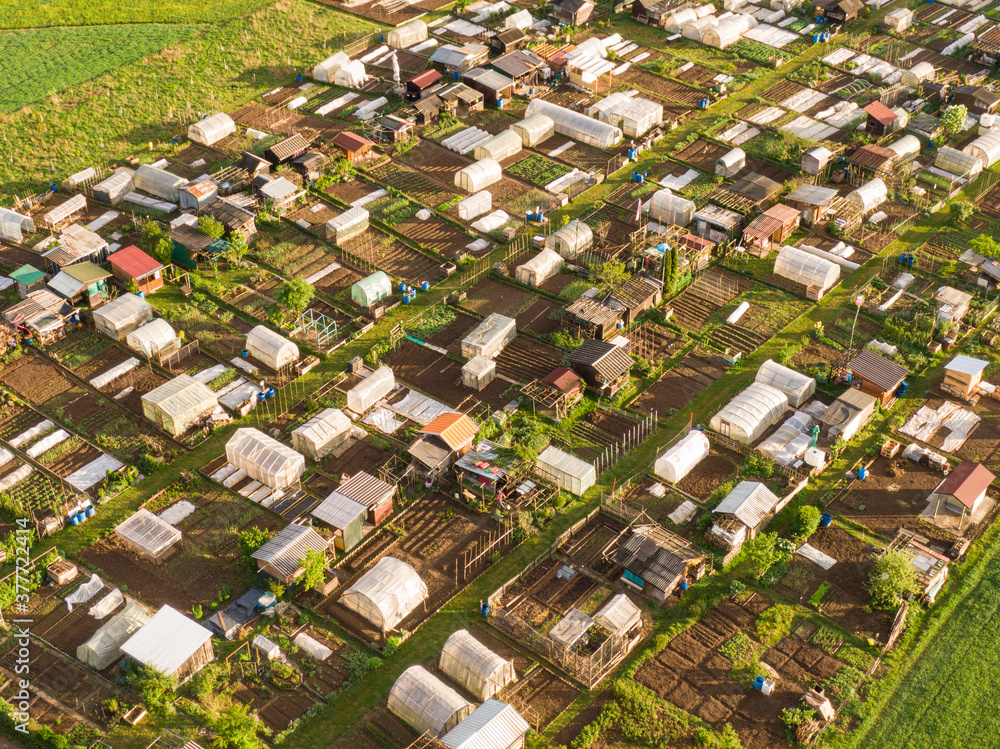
<point>30,14</point>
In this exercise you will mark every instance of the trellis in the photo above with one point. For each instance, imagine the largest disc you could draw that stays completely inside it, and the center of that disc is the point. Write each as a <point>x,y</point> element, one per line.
<point>317,329</point>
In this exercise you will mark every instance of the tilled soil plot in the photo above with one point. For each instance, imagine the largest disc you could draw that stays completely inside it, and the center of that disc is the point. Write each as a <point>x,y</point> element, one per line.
<point>141,380</point>
<point>679,386</point>
<point>524,359</point>
<point>715,469</point>
<point>439,235</point>
<point>362,455</point>
<point>451,335</point>
<point>492,640</point>
<point>543,697</point>
<point>490,295</point>
<point>983,445</point>
<point>392,256</point>
<point>654,84</point>
<point>701,154</point>
<point>440,376</point>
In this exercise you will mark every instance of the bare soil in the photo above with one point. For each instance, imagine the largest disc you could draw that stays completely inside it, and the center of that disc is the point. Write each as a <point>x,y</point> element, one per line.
<point>679,386</point>
<point>715,469</point>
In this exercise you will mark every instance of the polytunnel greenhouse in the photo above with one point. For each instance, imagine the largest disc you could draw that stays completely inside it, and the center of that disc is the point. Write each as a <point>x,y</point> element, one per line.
<point>806,269</point>
<point>105,647</point>
<point>158,182</point>
<point>326,71</point>
<point>427,704</point>
<point>13,226</point>
<point>959,163</point>
<point>351,75</point>
<point>475,205</point>
<point>474,666</point>
<point>153,338</point>
<point>751,413</point>
<point>540,268</point>
<point>634,115</point>
<point>905,147</point>
<point>576,125</point>
<point>212,129</point>
<point>322,433</point>
<point>491,221</point>
<point>870,195</point>
<point>264,459</point>
<point>501,146</point>
<point>797,386</point>
<point>118,318</point>
<point>271,349</point>
<point>179,404</point>
<point>667,208</point>
<point>571,240</point>
<point>728,31</point>
<point>489,337</point>
<point>408,35</point>
<point>986,148</point>
<point>695,30</point>
<point>479,176</point>
<point>677,20</point>
<point>731,163</point>
<point>922,71</point>
<point>347,225</point>
<point>371,390</point>
<point>679,460</point>
<point>147,535</point>
<point>372,289</point>
<point>386,594</point>
<point>534,129</point>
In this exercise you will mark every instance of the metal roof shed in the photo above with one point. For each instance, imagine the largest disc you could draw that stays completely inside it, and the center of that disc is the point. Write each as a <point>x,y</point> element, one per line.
<point>814,159</point>
<point>271,349</point>
<point>501,146</point>
<point>123,315</point>
<point>534,129</point>
<point>797,386</point>
<point>179,404</point>
<point>426,703</point>
<point>571,240</point>
<point>114,188</point>
<point>158,182</point>
<point>540,268</point>
<point>345,516</point>
<point>489,337</point>
<point>386,594</point>
<point>474,666</point>
<point>371,390</point>
<point>492,725</point>
<point>153,338</point>
<point>750,502</point>
<point>566,471</point>
<point>479,176</point>
<point>281,557</point>
<point>747,416</point>
<point>576,125</point>
<point>371,290</point>
<point>265,459</point>
<point>211,130</point>
<point>323,433</point>
<point>147,534</point>
<point>172,644</point>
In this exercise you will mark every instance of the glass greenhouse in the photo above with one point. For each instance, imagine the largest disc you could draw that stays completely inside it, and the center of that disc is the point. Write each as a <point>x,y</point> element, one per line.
<point>576,125</point>
<point>147,535</point>
<point>153,338</point>
<point>271,349</point>
<point>797,386</point>
<point>13,226</point>
<point>387,593</point>
<point>959,163</point>
<point>540,268</point>
<point>408,35</point>
<point>571,240</point>
<point>678,461</point>
<point>667,208</point>
<point>118,318</point>
<point>489,337</point>
<point>475,205</point>
<point>619,615</point>
<point>806,269</point>
<point>327,70</point>
<point>264,459</point>
<point>105,647</point>
<point>633,114</point>
<point>351,75</point>
<point>427,704</point>
<point>478,176</point>
<point>322,433</point>
<point>347,225</point>
<point>371,290</point>
<point>474,666</point>
<point>212,129</point>
<point>158,182</point>
<point>371,390</point>
<point>501,146</point>
<point>986,148</point>
<point>870,195</point>
<point>179,404</point>
<point>751,413</point>
<point>534,129</point>
<point>566,471</point>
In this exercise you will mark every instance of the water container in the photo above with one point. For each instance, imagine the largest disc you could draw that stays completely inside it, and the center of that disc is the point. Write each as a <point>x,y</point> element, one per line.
<point>703,104</point>
<point>499,102</point>
<point>142,294</point>
<point>620,325</point>
<point>531,91</point>
<point>402,287</point>
<point>270,392</point>
<point>862,473</point>
<point>298,78</point>
<point>684,586</point>
<point>381,38</point>
<point>425,285</point>
<point>815,38</point>
<point>932,144</point>
<point>768,686</point>
<point>903,387</point>
<point>826,36</point>
<point>80,517</point>
<point>758,683</point>
<point>902,257</point>
<point>825,520</point>
<point>406,298</point>
<point>819,19</point>
<point>641,178</point>
<point>847,378</point>
<point>261,397</point>
<point>90,512</point>
<point>73,520</point>
<point>910,259</point>
<point>28,340</point>
<point>455,75</point>
<point>54,187</point>
<point>540,216</point>
<point>529,216</point>
<point>244,353</point>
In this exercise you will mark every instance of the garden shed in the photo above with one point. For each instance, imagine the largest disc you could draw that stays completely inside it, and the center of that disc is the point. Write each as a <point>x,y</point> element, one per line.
<point>797,386</point>
<point>427,704</point>
<point>479,372</point>
<point>474,666</point>
<point>679,460</point>
<point>371,290</point>
<point>876,375</point>
<point>667,208</point>
<point>345,516</point>
<point>986,148</point>
<point>490,336</point>
<point>264,459</point>
<point>153,339</point>
<point>815,159</point>
<point>118,318</point>
<point>731,163</point>
<point>386,594</point>
<point>963,490</point>
<point>571,240</point>
<point>501,146</point>
<point>540,268</point>
<point>326,71</point>
<point>747,416</point>
<point>492,725</point>
<point>656,561</point>
<point>322,434</point>
<point>351,75</point>
<point>211,130</point>
<point>407,35</point>
<point>105,646</point>
<point>271,349</point>
<point>371,390</point>
<point>870,195</point>
<point>28,279</point>
<point>817,274</point>
<point>846,415</point>
<point>180,404</point>
<point>282,557</point>
<point>959,163</point>
<point>576,125</point>
<point>535,129</point>
<point>566,471</point>
<point>963,375</point>
<point>479,176</point>
<point>132,264</point>
<point>158,182</point>
<point>751,505</point>
<point>172,644</point>
<point>147,534</point>
<point>605,366</point>
<point>370,491</point>
<point>347,225</point>
<point>475,205</point>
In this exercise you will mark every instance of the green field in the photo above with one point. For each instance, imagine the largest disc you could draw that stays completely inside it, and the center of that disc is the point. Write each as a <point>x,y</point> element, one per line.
<point>29,14</point>
<point>43,62</point>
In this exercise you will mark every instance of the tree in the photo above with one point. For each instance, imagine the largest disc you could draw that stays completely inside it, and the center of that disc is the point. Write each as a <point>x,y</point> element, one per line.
<point>953,119</point>
<point>163,250</point>
<point>314,563</point>
<point>962,210</point>
<point>131,286</point>
<point>252,539</point>
<point>892,578</point>
<point>986,246</point>
<point>211,226</point>
<point>155,687</point>
<point>761,554</point>
<point>610,274</point>
<point>295,294</point>
<point>235,728</point>
<point>806,521</point>
<point>151,234</point>
<point>238,248</point>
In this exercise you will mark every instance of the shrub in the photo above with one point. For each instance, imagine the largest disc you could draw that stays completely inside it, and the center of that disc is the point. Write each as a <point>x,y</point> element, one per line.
<point>774,624</point>
<point>806,521</point>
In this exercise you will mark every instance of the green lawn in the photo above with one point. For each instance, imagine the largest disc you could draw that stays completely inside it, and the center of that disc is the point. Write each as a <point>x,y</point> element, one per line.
<point>27,14</point>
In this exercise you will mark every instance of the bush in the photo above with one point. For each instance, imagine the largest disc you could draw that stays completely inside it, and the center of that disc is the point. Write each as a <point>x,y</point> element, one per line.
<point>774,624</point>
<point>806,521</point>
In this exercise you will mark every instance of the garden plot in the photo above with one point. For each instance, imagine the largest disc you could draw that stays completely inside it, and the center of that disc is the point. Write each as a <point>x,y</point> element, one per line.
<point>524,360</point>
<point>212,334</point>
<point>389,254</point>
<point>541,317</point>
<point>286,122</point>
<point>491,295</point>
<point>440,376</point>
<point>129,387</point>
<point>430,181</point>
<point>366,454</point>
<point>711,291</point>
<point>679,386</point>
<point>435,233</point>
<point>575,154</point>
<point>701,154</point>
<point>662,87</point>
<point>444,327</point>
<point>941,424</point>
<point>299,255</point>
<point>714,470</point>
<point>770,310</point>
<point>541,697</point>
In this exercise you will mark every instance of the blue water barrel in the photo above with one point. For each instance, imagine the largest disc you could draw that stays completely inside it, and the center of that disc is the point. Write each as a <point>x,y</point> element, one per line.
<point>529,216</point>
<point>862,473</point>
<point>142,294</point>
<point>80,517</point>
<point>261,397</point>
<point>73,520</point>
<point>75,317</point>
<point>54,187</point>
<point>825,520</point>
<point>847,378</point>
<point>298,78</point>
<point>381,38</point>
<point>540,216</point>
<point>826,36</point>
<point>758,683</point>
<point>819,19</point>
<point>406,298</point>
<point>28,340</point>
<point>621,325</point>
<point>903,387</point>
<point>815,38</point>
<point>270,392</point>
<point>910,259</point>
<point>455,75</point>
<point>684,585</point>
<point>402,287</point>
<point>90,512</point>
<point>703,103</point>
<point>425,285</point>
<point>244,353</point>
<point>902,257</point>
<point>499,102</point>
<point>932,144</point>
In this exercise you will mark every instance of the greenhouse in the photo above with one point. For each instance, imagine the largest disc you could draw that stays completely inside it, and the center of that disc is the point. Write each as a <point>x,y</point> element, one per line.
<point>427,704</point>
<point>351,75</point>
<point>64,210</point>
<point>491,222</point>
<point>347,225</point>
<point>678,461</point>
<point>679,19</point>
<point>751,413</point>
<point>147,535</point>
<point>492,725</point>
<point>501,146</point>
<point>105,647</point>
<point>956,162</point>
<point>571,240</point>
<point>159,182</point>
<point>899,20</point>
<point>153,339</point>
<point>118,318</point>
<point>535,129</point>
<point>479,372</point>
<point>919,73</point>
<point>264,459</point>
<point>619,615</point>
<point>540,268</point>
<point>474,666</point>
<point>408,35</point>
<point>13,226</point>
<point>475,205</point>
<point>797,386</point>
<point>179,404</point>
<point>986,148</point>
<point>728,31</point>
<point>695,30</point>
<point>806,269</point>
<point>905,147</point>
<point>271,349</point>
<point>112,189</point>
<point>489,337</point>
<point>387,593</point>
<point>478,176</point>
<point>326,71</point>
<point>667,208</point>
<point>731,163</point>
<point>566,471</point>
<point>211,130</point>
<point>370,390</point>
<point>576,125</point>
<point>870,195</point>
<point>634,115</point>
<point>371,290</point>
<point>324,432</point>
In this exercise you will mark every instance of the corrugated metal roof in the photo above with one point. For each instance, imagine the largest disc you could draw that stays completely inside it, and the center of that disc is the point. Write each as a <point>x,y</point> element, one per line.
<point>286,551</point>
<point>134,262</point>
<point>875,368</point>
<point>881,112</point>
<point>846,407</point>
<point>966,483</point>
<point>656,556</point>
<point>63,283</point>
<point>366,489</point>
<point>563,379</point>
<point>338,511</point>
<point>966,365</point>
<point>872,157</point>
<point>457,430</point>
<point>166,641</point>
<point>749,501</point>
<point>812,195</point>
<point>610,361</point>
<point>86,272</point>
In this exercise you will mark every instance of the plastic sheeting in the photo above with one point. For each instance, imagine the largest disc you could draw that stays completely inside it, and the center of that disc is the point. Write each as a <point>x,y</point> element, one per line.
<point>489,337</point>
<point>491,222</point>
<point>147,534</point>
<point>427,704</point>
<point>212,129</point>
<point>351,75</point>
<point>667,208</point>
<point>387,593</point>
<point>408,35</point>
<point>265,459</point>
<point>474,666</point>
<point>678,461</point>
<point>104,648</point>
<point>347,225</point>
<point>371,290</point>
<point>534,129</point>
<point>576,125</point>
<point>747,416</point>
<point>85,592</point>
<point>501,146</point>
<point>326,71</point>
<point>106,605</point>
<point>316,649</point>
<point>478,176</point>
<point>571,240</point>
<point>371,390</point>
<point>806,269</point>
<point>475,205</point>
<point>152,338</point>
<point>566,471</point>
<point>119,318</point>
<point>322,433</point>
<point>797,386</point>
<point>13,226</point>
<point>540,268</point>
<point>871,195</point>
<point>179,404</point>
<point>271,349</point>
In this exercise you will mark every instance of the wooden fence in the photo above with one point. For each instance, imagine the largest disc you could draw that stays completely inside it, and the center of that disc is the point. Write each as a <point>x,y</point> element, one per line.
<point>170,359</point>
<point>479,555</point>
<point>629,441</point>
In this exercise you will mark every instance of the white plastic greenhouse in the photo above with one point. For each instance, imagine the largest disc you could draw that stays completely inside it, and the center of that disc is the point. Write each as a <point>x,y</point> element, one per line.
<point>679,19</point>
<point>695,30</point>
<point>501,146</point>
<point>154,337</point>
<point>566,471</point>
<point>408,35</point>
<point>534,129</point>
<point>271,349</point>
<point>13,226</point>
<point>899,20</point>
<point>158,182</point>
<point>751,413</point>
<point>427,704</point>
<point>491,221</point>
<point>619,615</point>
<point>147,534</point>
<point>540,268</point>
<point>490,336</point>
<point>212,129</point>
<point>323,433</point>
<point>371,390</point>
<point>667,208</point>
<point>264,459</point>
<point>870,195</point>
<point>576,125</point>
<point>347,225</point>
<point>372,289</point>
<point>351,75</point>
<point>179,404</point>
<point>114,188</point>
<point>634,115</point>
<point>922,71</point>
<point>386,594</point>
<point>731,163</point>
<point>120,317</point>
<point>679,460</point>
<point>474,666</point>
<point>478,372</point>
<point>986,148</point>
<point>326,71</point>
<point>905,147</point>
<point>806,269</point>
<point>959,163</point>
<point>728,31</point>
<point>475,205</point>
<point>105,647</point>
<point>478,176</point>
<point>571,240</point>
<point>797,386</point>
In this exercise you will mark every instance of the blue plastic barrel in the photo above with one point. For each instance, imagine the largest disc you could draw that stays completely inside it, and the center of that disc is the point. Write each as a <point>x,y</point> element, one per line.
<point>540,216</point>
<point>862,473</point>
<point>261,397</point>
<point>28,340</point>
<point>406,298</point>
<point>142,294</point>
<point>80,517</point>
<point>684,586</point>
<point>244,353</point>
<point>847,378</point>
<point>499,102</point>
<point>425,285</point>
<point>270,392</point>
<point>90,512</point>
<point>455,75</point>
<point>819,19</point>
<point>703,103</point>
<point>73,520</point>
<point>825,520</point>
<point>529,216</point>
<point>402,287</point>
<point>932,144</point>
<point>910,259</point>
<point>298,78</point>
<point>54,187</point>
<point>815,38</point>
<point>758,683</point>
<point>381,38</point>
